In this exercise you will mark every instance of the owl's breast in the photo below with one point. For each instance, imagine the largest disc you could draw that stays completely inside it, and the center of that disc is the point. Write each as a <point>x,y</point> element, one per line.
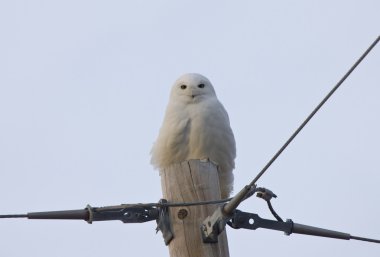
<point>209,133</point>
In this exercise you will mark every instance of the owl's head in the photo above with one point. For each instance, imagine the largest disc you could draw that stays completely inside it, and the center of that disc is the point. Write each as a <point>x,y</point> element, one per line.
<point>192,88</point>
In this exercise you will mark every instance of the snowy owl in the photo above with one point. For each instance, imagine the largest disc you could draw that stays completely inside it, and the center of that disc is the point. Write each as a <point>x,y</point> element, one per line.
<point>196,126</point>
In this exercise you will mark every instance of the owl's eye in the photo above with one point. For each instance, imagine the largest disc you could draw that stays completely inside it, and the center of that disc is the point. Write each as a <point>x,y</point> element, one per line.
<point>201,85</point>
<point>183,86</point>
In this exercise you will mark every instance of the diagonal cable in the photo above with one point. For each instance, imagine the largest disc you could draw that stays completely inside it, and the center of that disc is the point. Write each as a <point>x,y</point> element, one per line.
<point>314,111</point>
<point>237,199</point>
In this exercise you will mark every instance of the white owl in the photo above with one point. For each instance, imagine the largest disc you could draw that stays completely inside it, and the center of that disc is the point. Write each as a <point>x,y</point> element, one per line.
<point>196,126</point>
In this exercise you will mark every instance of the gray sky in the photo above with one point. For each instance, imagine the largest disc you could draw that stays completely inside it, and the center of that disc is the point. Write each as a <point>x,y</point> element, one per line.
<point>84,86</point>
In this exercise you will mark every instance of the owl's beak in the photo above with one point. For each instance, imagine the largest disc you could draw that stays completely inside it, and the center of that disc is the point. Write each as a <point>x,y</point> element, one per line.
<point>193,94</point>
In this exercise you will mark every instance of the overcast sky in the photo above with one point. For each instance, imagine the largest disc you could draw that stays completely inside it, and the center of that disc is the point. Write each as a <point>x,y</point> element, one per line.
<point>83,90</point>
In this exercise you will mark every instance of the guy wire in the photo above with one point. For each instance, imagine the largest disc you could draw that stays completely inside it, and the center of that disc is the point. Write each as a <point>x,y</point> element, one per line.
<point>314,112</point>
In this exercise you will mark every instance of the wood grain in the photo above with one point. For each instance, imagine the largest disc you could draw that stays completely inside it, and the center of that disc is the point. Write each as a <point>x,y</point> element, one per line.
<point>192,181</point>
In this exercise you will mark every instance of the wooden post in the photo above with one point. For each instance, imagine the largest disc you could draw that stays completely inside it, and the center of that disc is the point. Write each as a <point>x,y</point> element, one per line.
<point>192,181</point>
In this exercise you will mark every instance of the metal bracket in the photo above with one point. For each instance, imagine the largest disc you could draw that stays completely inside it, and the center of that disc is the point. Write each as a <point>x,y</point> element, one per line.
<point>127,213</point>
<point>213,225</point>
<point>163,223</point>
<point>265,193</point>
<point>253,221</point>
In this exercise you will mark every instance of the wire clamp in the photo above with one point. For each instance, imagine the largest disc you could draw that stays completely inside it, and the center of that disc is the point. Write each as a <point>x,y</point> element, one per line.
<point>213,225</point>
<point>265,194</point>
<point>163,222</point>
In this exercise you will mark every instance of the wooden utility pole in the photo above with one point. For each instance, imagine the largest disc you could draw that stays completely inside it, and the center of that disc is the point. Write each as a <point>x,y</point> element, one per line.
<point>192,181</point>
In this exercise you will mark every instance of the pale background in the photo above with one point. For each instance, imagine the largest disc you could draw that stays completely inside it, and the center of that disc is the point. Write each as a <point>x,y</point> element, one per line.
<point>84,86</point>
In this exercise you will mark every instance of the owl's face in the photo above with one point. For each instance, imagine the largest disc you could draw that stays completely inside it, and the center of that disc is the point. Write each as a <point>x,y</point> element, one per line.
<point>192,88</point>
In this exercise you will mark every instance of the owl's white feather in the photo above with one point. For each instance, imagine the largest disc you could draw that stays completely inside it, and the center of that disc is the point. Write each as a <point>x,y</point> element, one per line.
<point>196,126</point>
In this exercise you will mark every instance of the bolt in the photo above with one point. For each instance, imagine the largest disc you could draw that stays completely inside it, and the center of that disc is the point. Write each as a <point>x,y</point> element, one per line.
<point>182,213</point>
